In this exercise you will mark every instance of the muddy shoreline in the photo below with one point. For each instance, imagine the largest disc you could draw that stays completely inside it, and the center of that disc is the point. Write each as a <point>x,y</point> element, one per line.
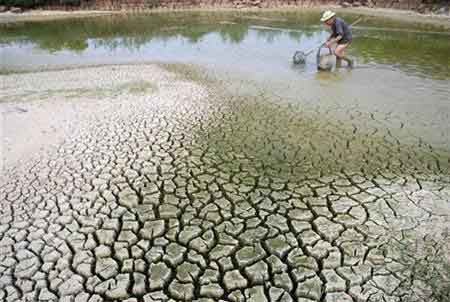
<point>440,21</point>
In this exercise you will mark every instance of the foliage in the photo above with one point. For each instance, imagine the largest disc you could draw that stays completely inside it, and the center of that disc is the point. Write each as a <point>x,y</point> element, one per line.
<point>70,2</point>
<point>20,3</point>
<point>35,3</point>
<point>152,3</point>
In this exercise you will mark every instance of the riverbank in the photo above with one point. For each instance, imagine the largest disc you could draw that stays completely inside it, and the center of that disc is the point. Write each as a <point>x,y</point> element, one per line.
<point>47,15</point>
<point>441,21</point>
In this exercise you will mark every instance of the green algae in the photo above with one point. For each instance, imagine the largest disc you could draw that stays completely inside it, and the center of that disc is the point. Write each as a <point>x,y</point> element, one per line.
<point>262,135</point>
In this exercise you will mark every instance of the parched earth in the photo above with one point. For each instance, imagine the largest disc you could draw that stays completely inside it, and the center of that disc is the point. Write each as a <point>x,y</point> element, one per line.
<point>146,186</point>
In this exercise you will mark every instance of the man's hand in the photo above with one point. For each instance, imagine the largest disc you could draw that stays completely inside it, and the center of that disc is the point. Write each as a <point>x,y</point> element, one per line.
<point>330,42</point>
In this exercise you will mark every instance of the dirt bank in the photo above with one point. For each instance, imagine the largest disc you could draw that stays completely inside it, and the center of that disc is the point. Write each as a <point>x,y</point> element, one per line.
<point>441,21</point>
<point>45,15</point>
<point>401,15</point>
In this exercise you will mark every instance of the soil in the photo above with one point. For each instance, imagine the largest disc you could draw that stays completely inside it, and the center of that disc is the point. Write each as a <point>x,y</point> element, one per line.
<point>442,21</point>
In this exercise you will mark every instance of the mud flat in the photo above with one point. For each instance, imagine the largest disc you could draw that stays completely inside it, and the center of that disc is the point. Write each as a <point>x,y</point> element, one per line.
<point>46,15</point>
<point>151,183</point>
<point>50,106</point>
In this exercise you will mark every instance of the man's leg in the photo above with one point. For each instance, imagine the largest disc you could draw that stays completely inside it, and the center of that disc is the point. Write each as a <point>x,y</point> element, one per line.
<point>339,52</point>
<point>338,62</point>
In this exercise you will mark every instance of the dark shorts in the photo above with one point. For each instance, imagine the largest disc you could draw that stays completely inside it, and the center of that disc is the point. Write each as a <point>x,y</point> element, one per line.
<point>344,41</point>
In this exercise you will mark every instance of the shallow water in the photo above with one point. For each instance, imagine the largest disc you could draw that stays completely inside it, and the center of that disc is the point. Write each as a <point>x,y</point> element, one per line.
<point>267,39</point>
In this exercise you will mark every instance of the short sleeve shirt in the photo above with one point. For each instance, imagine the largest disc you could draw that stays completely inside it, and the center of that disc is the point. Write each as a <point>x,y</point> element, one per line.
<point>340,28</point>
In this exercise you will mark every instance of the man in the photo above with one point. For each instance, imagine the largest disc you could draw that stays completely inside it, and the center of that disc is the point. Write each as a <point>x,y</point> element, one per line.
<point>341,34</point>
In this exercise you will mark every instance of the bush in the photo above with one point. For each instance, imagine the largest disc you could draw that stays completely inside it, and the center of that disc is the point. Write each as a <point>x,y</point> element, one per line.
<point>19,3</point>
<point>152,3</point>
<point>34,3</point>
<point>70,2</point>
<point>23,3</point>
<point>7,2</point>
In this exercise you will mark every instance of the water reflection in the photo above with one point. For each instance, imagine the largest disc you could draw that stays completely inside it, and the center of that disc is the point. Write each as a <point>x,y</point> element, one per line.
<point>135,37</point>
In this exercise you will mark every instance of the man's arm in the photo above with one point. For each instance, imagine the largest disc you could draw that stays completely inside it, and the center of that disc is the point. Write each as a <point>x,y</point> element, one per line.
<point>330,37</point>
<point>339,31</point>
<point>332,40</point>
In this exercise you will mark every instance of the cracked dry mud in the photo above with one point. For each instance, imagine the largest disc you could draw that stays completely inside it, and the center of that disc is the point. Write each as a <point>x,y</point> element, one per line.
<point>183,192</point>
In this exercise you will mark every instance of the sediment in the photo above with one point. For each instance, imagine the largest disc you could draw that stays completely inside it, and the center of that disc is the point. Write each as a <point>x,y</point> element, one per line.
<point>159,185</point>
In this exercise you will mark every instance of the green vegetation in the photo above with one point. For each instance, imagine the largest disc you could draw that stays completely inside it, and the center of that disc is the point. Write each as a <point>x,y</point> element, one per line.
<point>133,87</point>
<point>21,3</point>
<point>428,261</point>
<point>405,49</point>
<point>36,3</point>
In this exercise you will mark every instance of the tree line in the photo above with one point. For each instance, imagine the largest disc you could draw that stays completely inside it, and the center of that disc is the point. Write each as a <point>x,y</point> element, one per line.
<point>38,3</point>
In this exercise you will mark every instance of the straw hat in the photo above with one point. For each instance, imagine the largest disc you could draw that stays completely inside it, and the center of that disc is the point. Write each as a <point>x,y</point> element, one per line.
<point>327,15</point>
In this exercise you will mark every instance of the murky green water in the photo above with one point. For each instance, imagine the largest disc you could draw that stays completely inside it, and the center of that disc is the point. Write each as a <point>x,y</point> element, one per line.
<point>220,38</point>
<point>403,70</point>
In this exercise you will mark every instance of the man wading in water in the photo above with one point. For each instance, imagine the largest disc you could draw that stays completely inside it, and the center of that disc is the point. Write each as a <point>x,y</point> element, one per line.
<point>341,34</point>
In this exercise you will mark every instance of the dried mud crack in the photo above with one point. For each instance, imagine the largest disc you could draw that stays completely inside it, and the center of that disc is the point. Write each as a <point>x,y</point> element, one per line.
<point>157,186</point>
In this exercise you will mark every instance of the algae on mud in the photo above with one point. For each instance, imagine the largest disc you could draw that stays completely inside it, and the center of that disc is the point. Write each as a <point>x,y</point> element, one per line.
<point>134,87</point>
<point>294,140</point>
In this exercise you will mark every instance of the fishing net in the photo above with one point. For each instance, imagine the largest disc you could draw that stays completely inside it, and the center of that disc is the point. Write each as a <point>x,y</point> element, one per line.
<point>299,57</point>
<point>324,61</point>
